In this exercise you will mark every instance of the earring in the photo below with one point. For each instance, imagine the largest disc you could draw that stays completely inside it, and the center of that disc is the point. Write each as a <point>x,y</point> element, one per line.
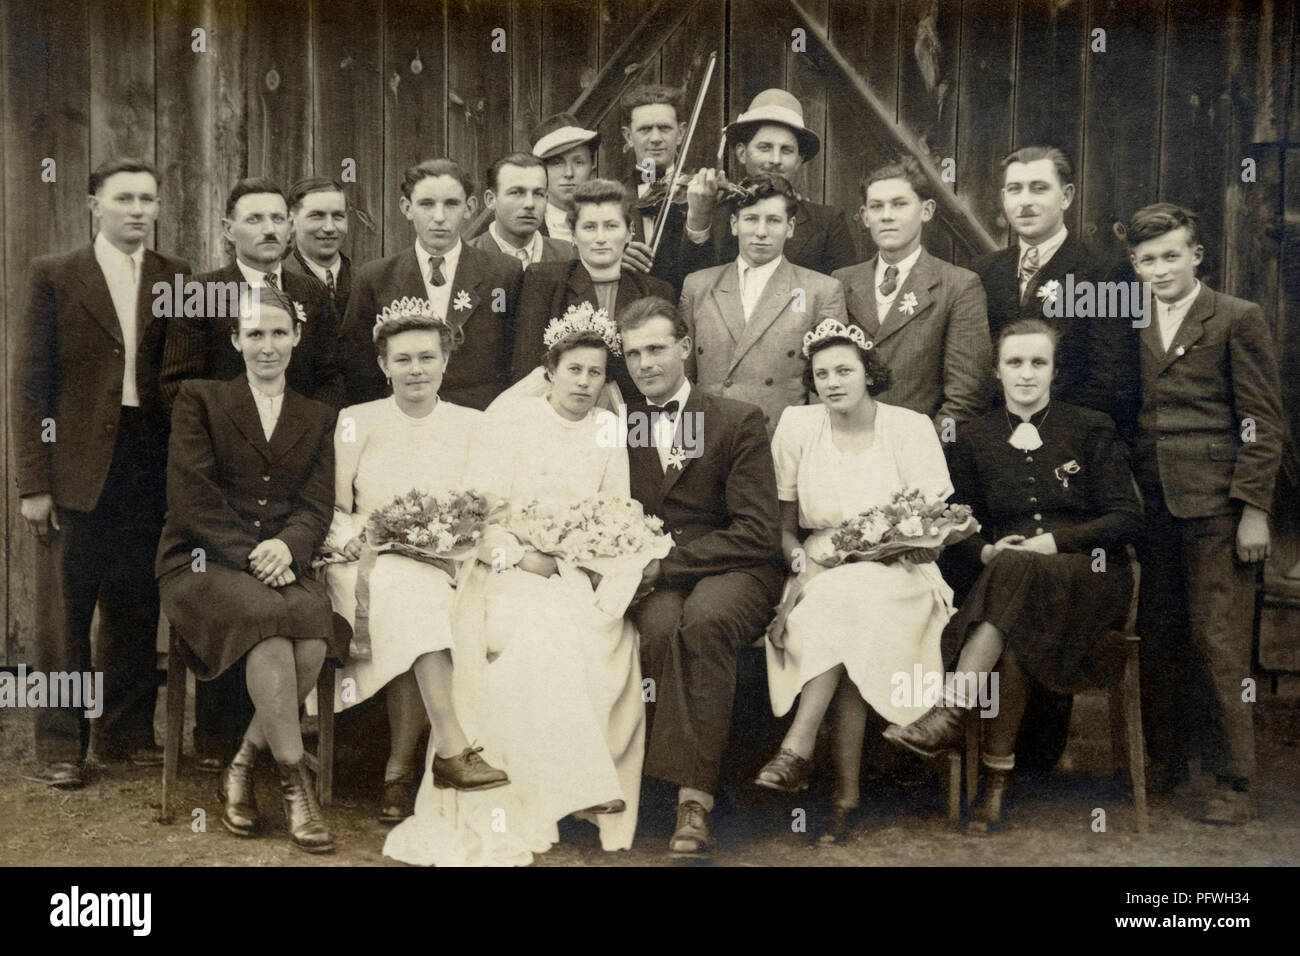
<point>388,380</point>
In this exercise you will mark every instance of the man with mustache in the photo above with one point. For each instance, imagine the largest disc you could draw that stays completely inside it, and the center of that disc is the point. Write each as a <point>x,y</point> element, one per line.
<point>769,139</point>
<point>517,197</point>
<point>90,449</point>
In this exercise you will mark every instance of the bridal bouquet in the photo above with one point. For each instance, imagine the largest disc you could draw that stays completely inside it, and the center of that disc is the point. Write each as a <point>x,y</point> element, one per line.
<point>913,526</point>
<point>437,529</point>
<point>609,536</point>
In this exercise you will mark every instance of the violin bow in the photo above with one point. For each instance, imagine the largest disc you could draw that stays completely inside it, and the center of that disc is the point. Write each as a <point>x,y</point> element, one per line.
<point>662,219</point>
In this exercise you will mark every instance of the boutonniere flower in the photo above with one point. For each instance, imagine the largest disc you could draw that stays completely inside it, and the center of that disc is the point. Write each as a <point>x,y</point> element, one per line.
<point>908,305</point>
<point>302,313</point>
<point>676,457</point>
<point>1048,291</point>
<point>462,301</point>
<point>1063,472</point>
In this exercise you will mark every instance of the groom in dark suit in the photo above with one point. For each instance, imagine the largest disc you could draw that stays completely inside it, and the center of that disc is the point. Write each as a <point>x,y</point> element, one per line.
<point>475,291</point>
<point>702,464</point>
<point>90,448</point>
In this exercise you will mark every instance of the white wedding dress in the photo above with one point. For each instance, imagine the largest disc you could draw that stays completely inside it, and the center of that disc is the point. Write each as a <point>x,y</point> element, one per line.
<point>879,620</point>
<point>553,692</point>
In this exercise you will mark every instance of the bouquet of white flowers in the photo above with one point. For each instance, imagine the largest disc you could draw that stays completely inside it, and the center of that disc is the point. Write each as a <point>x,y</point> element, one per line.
<point>437,529</point>
<point>914,526</point>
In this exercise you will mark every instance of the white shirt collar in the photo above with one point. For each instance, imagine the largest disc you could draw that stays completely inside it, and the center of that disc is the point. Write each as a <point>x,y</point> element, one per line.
<point>904,267</point>
<point>557,222</point>
<point>450,260</point>
<point>1046,249</point>
<point>106,251</point>
<point>1180,305</point>
<point>761,273</point>
<point>534,247</point>
<point>320,272</point>
<point>256,277</point>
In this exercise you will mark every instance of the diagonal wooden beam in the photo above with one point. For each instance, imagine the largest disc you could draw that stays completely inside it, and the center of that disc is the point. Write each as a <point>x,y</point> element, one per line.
<point>644,42</point>
<point>952,209</point>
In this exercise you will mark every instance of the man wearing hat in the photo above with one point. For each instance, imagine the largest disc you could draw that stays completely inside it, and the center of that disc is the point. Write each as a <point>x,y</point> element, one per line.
<point>569,152</point>
<point>769,138</point>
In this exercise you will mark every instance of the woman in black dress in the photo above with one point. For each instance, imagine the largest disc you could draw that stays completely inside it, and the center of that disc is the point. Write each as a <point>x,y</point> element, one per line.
<point>1051,488</point>
<point>250,493</point>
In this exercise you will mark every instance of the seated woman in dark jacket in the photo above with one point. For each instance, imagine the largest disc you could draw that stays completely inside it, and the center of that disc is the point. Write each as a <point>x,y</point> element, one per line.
<point>1051,487</point>
<point>250,493</point>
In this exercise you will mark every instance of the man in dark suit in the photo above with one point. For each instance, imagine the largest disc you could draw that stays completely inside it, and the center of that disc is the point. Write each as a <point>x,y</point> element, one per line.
<point>653,131</point>
<point>516,197</point>
<point>926,318</point>
<point>596,276</point>
<point>90,439</point>
<point>318,217</point>
<point>1029,279</point>
<point>769,137</point>
<point>257,226</point>
<point>704,466</point>
<point>198,347</point>
<point>475,291</point>
<point>1207,450</point>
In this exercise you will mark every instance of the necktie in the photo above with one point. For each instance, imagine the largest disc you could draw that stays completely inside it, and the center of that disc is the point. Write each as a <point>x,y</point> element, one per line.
<point>891,281</point>
<point>435,271</point>
<point>271,281</point>
<point>329,281</point>
<point>1028,268</point>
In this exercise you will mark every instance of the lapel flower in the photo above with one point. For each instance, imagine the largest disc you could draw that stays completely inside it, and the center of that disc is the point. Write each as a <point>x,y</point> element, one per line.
<point>1048,291</point>
<point>908,305</point>
<point>676,457</point>
<point>302,313</point>
<point>1063,472</point>
<point>462,301</point>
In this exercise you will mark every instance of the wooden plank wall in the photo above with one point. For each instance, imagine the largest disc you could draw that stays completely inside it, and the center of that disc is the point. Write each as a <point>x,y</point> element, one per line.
<point>1181,94</point>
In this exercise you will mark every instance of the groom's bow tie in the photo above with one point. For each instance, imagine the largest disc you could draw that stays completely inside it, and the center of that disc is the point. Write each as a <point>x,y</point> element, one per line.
<point>670,409</point>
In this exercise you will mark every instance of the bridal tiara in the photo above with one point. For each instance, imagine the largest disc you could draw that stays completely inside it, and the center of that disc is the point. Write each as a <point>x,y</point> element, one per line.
<point>581,318</point>
<point>830,329</point>
<point>408,306</point>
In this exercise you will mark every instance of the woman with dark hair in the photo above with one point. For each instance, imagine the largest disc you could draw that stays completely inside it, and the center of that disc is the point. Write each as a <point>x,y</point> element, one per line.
<point>249,492</point>
<point>561,690</point>
<point>601,219</point>
<point>855,626</point>
<point>1051,487</point>
<point>383,449</point>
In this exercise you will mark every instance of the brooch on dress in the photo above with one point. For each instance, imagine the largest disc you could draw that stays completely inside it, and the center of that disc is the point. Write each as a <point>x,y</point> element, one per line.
<point>1063,472</point>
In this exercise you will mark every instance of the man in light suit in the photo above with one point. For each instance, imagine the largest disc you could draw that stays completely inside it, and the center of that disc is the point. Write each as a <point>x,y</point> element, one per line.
<point>1206,454</point>
<point>925,318</point>
<point>475,291</point>
<point>769,138</point>
<point>90,442</point>
<point>714,592</point>
<point>748,317</point>
<point>318,218</point>
<point>516,197</point>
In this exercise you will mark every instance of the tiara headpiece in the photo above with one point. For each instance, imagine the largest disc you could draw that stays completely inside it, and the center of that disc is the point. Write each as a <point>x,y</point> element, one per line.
<point>581,318</point>
<point>830,329</point>
<point>408,306</point>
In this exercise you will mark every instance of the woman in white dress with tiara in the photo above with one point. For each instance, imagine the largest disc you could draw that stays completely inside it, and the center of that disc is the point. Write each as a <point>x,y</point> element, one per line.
<point>383,449</point>
<point>857,626</point>
<point>559,701</point>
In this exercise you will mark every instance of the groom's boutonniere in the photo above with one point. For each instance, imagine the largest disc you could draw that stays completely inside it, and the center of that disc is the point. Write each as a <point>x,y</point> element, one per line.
<point>462,301</point>
<point>908,305</point>
<point>301,312</point>
<point>676,457</point>
<point>1048,291</point>
<point>1063,472</point>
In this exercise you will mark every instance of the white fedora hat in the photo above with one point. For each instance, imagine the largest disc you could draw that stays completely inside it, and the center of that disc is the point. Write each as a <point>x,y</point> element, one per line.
<point>776,106</point>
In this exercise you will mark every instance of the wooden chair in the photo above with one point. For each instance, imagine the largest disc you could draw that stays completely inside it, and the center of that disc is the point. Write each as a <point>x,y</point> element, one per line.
<point>1125,700</point>
<point>322,762</point>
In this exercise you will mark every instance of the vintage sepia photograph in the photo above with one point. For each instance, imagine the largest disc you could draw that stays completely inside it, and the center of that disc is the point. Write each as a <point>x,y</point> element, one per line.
<point>651,433</point>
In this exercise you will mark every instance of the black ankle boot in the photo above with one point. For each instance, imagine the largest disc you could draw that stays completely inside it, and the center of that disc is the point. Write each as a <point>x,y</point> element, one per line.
<point>986,814</point>
<point>301,811</point>
<point>940,728</point>
<point>237,793</point>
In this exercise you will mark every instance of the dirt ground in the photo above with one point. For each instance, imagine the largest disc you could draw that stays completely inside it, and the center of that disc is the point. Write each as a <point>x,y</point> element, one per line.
<point>113,820</point>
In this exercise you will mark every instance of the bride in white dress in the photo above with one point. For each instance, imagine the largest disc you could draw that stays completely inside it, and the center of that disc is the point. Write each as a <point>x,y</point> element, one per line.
<point>857,627</point>
<point>559,701</point>
<point>383,449</point>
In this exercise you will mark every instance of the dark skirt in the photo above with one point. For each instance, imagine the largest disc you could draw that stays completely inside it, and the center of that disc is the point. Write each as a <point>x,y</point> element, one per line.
<point>1054,612</point>
<point>221,614</point>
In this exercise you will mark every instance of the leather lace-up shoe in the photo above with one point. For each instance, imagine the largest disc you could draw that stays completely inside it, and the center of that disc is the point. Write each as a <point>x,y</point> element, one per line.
<point>237,793</point>
<point>693,836</point>
<point>787,772</point>
<point>939,729</point>
<point>398,801</point>
<point>467,771</point>
<point>301,811</point>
